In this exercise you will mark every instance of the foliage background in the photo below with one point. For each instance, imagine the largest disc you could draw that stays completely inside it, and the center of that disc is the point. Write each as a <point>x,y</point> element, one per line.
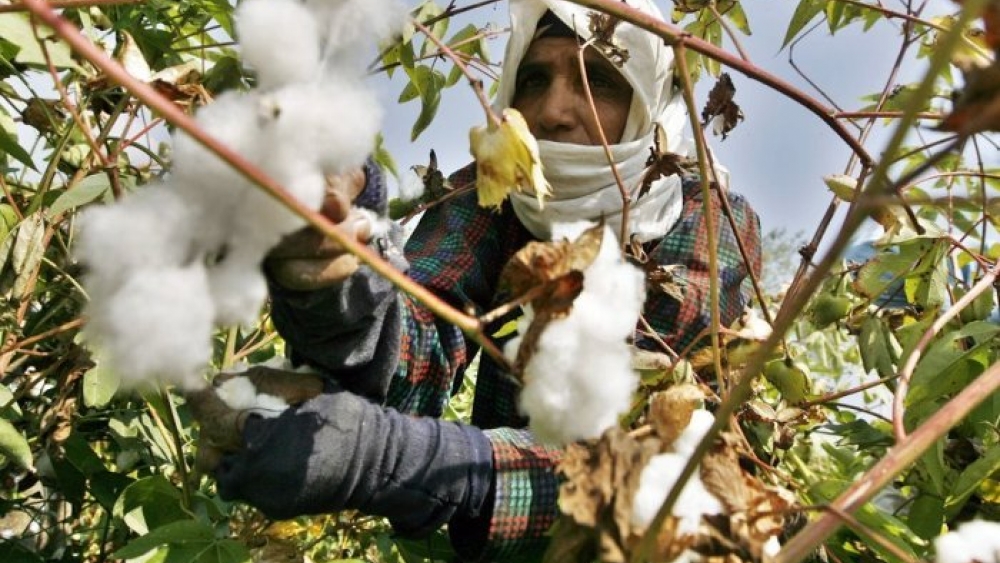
<point>91,475</point>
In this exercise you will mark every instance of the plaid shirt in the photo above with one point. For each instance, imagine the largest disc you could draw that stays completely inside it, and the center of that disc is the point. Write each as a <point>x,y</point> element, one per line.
<point>458,251</point>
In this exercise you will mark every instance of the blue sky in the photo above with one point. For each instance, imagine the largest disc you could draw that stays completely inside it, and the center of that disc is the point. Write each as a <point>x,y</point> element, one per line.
<point>777,156</point>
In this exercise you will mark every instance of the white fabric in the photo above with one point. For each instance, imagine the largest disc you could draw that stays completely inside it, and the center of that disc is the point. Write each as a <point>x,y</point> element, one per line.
<point>584,188</point>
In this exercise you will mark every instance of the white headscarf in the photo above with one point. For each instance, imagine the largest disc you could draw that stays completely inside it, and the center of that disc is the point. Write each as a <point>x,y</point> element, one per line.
<point>583,186</point>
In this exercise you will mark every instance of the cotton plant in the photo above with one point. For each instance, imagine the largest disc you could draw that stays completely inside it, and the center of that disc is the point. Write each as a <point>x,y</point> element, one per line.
<point>177,259</point>
<point>579,379</point>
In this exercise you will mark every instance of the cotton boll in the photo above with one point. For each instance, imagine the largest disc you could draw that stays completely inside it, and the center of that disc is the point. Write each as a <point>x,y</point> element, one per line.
<point>158,326</point>
<point>280,39</point>
<point>238,288</point>
<point>348,26</point>
<point>270,406</point>
<point>239,393</point>
<point>332,124</point>
<point>974,541</point>
<point>657,478</point>
<point>411,186</point>
<point>687,442</point>
<point>145,230</point>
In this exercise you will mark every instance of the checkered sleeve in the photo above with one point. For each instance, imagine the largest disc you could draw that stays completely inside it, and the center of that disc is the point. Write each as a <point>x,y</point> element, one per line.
<point>683,322</point>
<point>456,252</point>
<point>526,489</point>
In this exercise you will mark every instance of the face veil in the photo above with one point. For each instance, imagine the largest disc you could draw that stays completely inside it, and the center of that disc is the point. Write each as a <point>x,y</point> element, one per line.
<point>580,175</point>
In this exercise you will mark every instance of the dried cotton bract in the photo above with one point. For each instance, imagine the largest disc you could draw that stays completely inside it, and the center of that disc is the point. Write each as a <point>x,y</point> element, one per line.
<point>506,159</point>
<point>579,378</point>
<point>172,262</point>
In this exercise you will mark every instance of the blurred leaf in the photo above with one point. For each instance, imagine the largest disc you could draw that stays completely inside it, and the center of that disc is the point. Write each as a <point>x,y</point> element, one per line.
<point>148,504</point>
<point>952,362</point>
<point>186,541</point>
<point>879,350</point>
<point>87,190</point>
<point>27,252</point>
<point>100,384</point>
<point>107,486</point>
<point>428,84</point>
<point>14,446</point>
<point>926,515</point>
<point>789,378</point>
<point>9,146</point>
<point>13,552</point>
<point>804,13</point>
<point>17,29</point>
<point>970,479</point>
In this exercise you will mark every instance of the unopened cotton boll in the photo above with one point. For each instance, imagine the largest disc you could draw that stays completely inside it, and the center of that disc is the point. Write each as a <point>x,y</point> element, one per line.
<point>158,326</point>
<point>976,541</point>
<point>657,478</point>
<point>280,39</point>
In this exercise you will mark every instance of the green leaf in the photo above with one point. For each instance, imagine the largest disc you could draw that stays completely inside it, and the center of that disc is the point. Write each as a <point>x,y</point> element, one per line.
<point>14,446</point>
<point>926,516</point>
<point>87,190</point>
<point>879,350</point>
<point>17,29</point>
<point>100,384</point>
<point>952,362</point>
<point>739,18</point>
<point>428,84</point>
<point>383,157</point>
<point>28,251</point>
<point>804,13</point>
<point>106,487</point>
<point>970,479</point>
<point>9,146</point>
<point>186,541</point>
<point>148,504</point>
<point>13,552</point>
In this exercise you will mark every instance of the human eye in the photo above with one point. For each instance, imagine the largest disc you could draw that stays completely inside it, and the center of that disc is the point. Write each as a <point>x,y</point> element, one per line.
<point>602,80</point>
<point>531,78</point>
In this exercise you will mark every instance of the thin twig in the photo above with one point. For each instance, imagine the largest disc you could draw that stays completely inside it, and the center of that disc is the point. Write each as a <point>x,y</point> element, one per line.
<point>729,31</point>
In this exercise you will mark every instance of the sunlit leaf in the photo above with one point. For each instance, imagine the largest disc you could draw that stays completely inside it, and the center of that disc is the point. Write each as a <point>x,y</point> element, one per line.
<point>951,362</point>
<point>10,147</point>
<point>14,446</point>
<point>187,541</point>
<point>804,13</point>
<point>89,189</point>
<point>148,504</point>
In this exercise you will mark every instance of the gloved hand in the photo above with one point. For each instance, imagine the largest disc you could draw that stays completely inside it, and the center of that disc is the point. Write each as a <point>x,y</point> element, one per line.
<point>339,451</point>
<point>221,425</point>
<point>306,259</point>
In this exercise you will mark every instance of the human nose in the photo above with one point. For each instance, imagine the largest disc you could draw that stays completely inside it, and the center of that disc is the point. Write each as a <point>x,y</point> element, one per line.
<point>558,112</point>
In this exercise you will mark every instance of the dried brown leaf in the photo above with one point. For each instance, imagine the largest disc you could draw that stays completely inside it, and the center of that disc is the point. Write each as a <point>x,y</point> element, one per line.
<point>670,410</point>
<point>721,104</point>
<point>602,28</point>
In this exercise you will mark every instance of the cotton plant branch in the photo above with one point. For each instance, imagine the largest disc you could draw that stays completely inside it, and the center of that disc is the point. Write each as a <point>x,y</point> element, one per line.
<point>906,373</point>
<point>66,4</point>
<point>174,115</point>
<point>899,457</point>
<point>475,83</point>
<point>672,35</point>
<point>649,539</point>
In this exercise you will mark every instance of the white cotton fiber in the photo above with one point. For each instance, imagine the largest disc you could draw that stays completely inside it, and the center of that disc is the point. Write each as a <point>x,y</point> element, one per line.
<point>411,186</point>
<point>976,541</point>
<point>280,39</point>
<point>331,124</point>
<point>580,379</point>
<point>347,26</point>
<point>239,393</point>
<point>158,326</point>
<point>238,288</point>
<point>694,433</point>
<point>657,478</point>
<point>145,230</point>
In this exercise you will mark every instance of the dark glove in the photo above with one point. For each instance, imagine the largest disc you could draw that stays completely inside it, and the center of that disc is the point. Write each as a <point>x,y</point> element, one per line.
<point>338,451</point>
<point>221,427</point>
